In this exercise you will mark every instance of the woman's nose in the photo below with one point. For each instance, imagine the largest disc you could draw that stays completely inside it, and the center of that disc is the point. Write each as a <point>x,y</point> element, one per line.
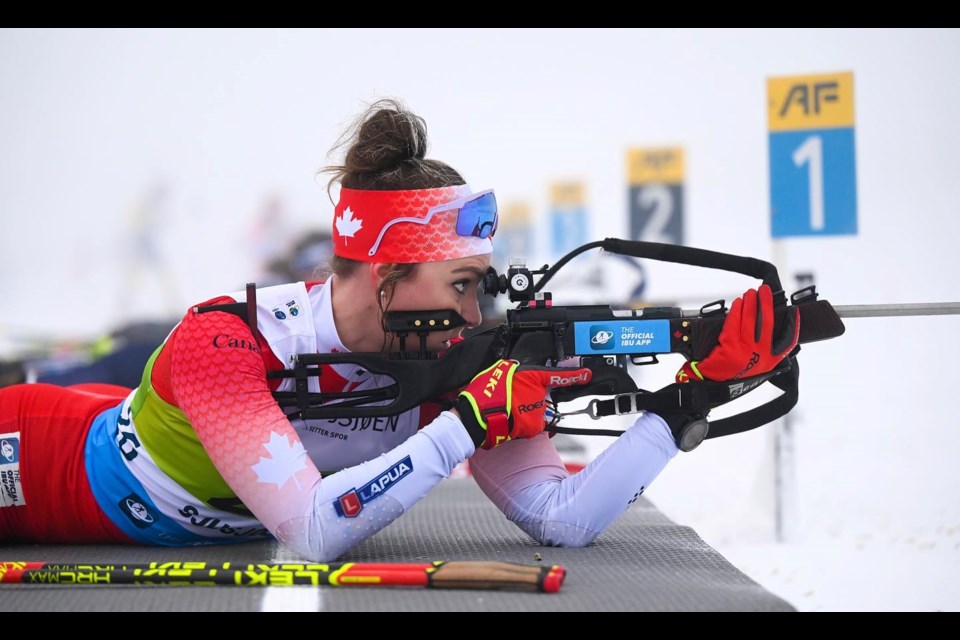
<point>471,313</point>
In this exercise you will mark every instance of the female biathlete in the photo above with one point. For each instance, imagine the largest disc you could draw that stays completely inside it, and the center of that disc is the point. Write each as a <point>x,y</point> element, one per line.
<point>202,453</point>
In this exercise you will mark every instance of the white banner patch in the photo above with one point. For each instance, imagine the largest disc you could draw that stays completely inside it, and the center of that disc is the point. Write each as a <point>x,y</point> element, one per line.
<point>11,493</point>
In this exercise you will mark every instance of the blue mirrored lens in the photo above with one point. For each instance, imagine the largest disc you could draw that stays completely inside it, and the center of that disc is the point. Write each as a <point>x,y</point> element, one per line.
<point>478,217</point>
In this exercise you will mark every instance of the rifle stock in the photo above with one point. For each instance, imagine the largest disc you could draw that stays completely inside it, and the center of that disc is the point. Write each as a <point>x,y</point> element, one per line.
<point>818,321</point>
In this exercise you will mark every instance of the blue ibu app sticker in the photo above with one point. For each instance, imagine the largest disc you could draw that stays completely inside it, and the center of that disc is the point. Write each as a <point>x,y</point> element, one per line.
<point>9,449</point>
<point>601,338</point>
<point>622,336</point>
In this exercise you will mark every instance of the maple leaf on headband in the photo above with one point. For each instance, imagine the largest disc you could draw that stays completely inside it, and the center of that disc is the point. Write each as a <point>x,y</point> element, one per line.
<point>284,461</point>
<point>347,225</point>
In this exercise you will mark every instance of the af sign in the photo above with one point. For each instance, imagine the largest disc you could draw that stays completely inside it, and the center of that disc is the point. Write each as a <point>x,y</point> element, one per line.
<point>813,180</point>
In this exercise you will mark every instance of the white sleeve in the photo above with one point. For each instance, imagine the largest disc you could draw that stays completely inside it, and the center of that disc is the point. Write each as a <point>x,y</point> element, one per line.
<point>527,480</point>
<point>355,503</point>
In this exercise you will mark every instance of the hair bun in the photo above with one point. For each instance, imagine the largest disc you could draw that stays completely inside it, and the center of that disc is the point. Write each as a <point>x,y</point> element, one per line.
<point>385,149</point>
<point>387,139</point>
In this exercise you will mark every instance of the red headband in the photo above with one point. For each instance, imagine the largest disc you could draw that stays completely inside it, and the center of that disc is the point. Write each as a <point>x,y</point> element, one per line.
<point>366,226</point>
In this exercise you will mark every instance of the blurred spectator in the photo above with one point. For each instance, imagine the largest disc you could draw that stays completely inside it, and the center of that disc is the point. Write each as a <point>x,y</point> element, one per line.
<point>116,358</point>
<point>270,231</point>
<point>147,273</point>
<point>310,256</point>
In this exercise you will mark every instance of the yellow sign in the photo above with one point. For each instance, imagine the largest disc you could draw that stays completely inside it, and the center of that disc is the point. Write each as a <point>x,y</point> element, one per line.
<point>516,214</point>
<point>810,102</point>
<point>569,193</point>
<point>663,165</point>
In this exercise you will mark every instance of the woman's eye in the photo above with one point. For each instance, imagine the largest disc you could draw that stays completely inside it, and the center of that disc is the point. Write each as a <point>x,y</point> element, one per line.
<point>461,285</point>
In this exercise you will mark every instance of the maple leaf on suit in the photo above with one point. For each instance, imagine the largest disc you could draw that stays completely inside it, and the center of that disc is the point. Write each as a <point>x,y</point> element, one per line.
<point>285,461</point>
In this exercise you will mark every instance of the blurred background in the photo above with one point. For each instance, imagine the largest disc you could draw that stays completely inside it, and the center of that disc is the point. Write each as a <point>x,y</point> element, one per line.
<point>144,170</point>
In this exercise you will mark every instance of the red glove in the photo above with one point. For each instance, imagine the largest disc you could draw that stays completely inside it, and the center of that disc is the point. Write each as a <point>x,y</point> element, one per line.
<point>746,345</point>
<point>507,401</point>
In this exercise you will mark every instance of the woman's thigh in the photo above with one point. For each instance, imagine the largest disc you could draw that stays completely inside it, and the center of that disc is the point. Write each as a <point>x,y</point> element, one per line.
<point>45,496</point>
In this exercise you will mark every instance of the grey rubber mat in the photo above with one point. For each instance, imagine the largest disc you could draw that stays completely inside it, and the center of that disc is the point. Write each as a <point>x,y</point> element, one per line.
<point>644,562</point>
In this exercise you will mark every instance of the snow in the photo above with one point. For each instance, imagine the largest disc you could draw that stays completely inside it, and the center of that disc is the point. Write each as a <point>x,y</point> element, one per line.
<point>867,516</point>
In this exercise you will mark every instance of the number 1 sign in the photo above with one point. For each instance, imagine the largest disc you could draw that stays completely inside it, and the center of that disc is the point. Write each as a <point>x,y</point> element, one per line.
<point>813,185</point>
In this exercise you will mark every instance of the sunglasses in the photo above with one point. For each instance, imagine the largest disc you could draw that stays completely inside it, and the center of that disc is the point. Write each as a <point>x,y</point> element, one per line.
<point>477,216</point>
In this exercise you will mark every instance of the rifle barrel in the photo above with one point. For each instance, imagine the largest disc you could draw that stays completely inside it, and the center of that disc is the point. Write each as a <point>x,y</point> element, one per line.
<point>876,310</point>
<point>903,309</point>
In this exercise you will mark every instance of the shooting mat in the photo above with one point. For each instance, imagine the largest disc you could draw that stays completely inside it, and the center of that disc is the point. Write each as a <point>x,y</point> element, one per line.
<point>644,562</point>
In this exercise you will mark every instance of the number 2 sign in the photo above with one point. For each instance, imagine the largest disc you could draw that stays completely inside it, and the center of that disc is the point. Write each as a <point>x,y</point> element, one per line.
<point>813,185</point>
<point>655,192</point>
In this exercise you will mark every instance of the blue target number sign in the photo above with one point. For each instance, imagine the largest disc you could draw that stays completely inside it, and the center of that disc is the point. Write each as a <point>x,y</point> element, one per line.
<point>655,191</point>
<point>812,143</point>
<point>568,216</point>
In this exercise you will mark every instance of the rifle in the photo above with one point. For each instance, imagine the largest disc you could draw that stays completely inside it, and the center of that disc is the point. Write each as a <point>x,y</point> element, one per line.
<point>606,340</point>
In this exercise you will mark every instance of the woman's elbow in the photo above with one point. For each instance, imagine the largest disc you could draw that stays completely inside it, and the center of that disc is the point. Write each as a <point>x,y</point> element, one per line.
<point>561,534</point>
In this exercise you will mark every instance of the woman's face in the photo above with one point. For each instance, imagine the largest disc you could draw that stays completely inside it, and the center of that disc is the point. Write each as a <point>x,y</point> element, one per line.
<point>450,284</point>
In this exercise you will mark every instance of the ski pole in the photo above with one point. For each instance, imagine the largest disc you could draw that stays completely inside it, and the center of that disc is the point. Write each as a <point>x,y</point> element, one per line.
<point>459,574</point>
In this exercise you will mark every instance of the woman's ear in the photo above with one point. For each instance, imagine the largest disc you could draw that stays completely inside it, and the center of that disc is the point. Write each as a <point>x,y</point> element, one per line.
<point>378,274</point>
<point>379,271</point>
